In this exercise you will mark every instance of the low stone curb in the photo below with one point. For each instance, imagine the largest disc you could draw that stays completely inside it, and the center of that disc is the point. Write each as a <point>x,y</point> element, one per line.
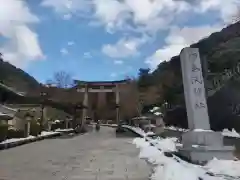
<point>227,140</point>
<point>27,141</point>
<point>109,125</point>
<point>66,132</point>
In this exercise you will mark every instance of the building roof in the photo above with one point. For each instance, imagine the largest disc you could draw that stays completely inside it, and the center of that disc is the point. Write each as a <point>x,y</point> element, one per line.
<point>10,90</point>
<point>7,110</point>
<point>5,117</point>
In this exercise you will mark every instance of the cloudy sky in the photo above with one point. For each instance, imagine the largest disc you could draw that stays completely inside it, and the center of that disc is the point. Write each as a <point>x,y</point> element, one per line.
<point>104,39</point>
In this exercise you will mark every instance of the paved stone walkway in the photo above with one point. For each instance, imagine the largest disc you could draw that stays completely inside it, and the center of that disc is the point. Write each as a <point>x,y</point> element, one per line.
<point>93,156</point>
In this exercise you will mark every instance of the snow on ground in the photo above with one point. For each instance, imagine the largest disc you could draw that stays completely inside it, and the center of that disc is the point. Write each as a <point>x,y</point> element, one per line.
<point>46,133</point>
<point>136,129</point>
<point>139,130</point>
<point>150,133</point>
<point>202,130</point>
<point>232,133</point>
<point>168,144</point>
<point>64,130</point>
<point>154,109</point>
<point>224,167</point>
<point>43,134</point>
<point>176,129</point>
<point>225,132</point>
<point>157,113</point>
<point>16,139</point>
<point>173,168</point>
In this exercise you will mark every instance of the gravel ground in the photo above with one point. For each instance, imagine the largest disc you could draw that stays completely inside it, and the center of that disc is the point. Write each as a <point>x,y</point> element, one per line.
<point>93,156</point>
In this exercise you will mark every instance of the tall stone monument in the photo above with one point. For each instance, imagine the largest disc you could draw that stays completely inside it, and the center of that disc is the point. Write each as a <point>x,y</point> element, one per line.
<point>200,144</point>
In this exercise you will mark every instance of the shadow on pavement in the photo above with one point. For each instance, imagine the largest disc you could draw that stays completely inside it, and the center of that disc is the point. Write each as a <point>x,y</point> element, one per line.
<point>125,133</point>
<point>68,136</point>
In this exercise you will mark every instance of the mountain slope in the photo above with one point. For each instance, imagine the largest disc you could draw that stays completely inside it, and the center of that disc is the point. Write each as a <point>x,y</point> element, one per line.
<point>16,78</point>
<point>218,52</point>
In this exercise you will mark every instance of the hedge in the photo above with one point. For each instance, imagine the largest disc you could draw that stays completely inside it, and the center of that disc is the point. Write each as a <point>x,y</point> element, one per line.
<point>35,128</point>
<point>3,132</point>
<point>12,133</point>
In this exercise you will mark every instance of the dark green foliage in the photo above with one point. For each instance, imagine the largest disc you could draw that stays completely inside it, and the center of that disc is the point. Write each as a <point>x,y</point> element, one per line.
<point>60,125</point>
<point>12,133</point>
<point>3,132</point>
<point>15,77</point>
<point>35,128</point>
<point>144,78</point>
<point>221,51</point>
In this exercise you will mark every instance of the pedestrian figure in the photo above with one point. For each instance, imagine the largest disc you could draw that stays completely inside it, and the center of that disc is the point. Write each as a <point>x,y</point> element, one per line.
<point>97,126</point>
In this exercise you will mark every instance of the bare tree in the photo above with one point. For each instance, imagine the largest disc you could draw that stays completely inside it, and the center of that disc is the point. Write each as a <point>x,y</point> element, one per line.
<point>61,79</point>
<point>129,99</point>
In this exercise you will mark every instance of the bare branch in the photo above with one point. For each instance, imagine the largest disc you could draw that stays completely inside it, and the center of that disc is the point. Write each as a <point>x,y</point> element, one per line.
<point>61,79</point>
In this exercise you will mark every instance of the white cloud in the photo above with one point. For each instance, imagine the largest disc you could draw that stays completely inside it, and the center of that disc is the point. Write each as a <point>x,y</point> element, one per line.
<point>70,43</point>
<point>66,8</point>
<point>22,44</point>
<point>178,39</point>
<point>109,12</point>
<point>87,55</point>
<point>139,15</point>
<point>64,51</point>
<point>115,14</point>
<point>67,16</point>
<point>118,62</point>
<point>124,48</point>
<point>113,75</point>
<point>146,17</point>
<point>227,9</point>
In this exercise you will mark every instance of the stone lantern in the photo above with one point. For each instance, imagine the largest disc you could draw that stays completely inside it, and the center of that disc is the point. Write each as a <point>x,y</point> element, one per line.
<point>28,118</point>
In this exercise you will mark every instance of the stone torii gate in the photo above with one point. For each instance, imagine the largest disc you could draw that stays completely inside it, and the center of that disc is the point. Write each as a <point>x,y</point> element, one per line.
<point>101,88</point>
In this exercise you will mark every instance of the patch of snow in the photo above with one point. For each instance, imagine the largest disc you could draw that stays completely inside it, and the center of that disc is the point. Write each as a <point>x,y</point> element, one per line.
<point>43,134</point>
<point>158,113</point>
<point>195,146</point>
<point>150,133</point>
<point>176,129</point>
<point>173,168</point>
<point>46,133</point>
<point>2,114</point>
<point>232,133</point>
<point>229,167</point>
<point>154,109</point>
<point>64,130</point>
<point>136,129</point>
<point>16,139</point>
<point>166,145</point>
<point>202,130</point>
<point>139,130</point>
<point>140,142</point>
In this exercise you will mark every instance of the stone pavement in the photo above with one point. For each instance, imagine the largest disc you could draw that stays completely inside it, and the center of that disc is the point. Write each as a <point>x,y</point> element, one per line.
<point>93,156</point>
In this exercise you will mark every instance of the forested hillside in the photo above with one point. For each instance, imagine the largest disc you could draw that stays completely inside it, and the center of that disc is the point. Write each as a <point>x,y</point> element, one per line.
<point>15,77</point>
<point>219,52</point>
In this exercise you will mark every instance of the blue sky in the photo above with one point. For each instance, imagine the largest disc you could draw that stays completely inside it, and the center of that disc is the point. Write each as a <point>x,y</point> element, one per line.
<point>104,39</point>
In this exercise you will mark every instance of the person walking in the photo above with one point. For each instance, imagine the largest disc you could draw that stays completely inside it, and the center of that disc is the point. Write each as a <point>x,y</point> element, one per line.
<point>97,125</point>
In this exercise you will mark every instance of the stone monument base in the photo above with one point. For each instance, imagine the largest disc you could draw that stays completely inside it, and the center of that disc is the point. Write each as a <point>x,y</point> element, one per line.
<point>202,146</point>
